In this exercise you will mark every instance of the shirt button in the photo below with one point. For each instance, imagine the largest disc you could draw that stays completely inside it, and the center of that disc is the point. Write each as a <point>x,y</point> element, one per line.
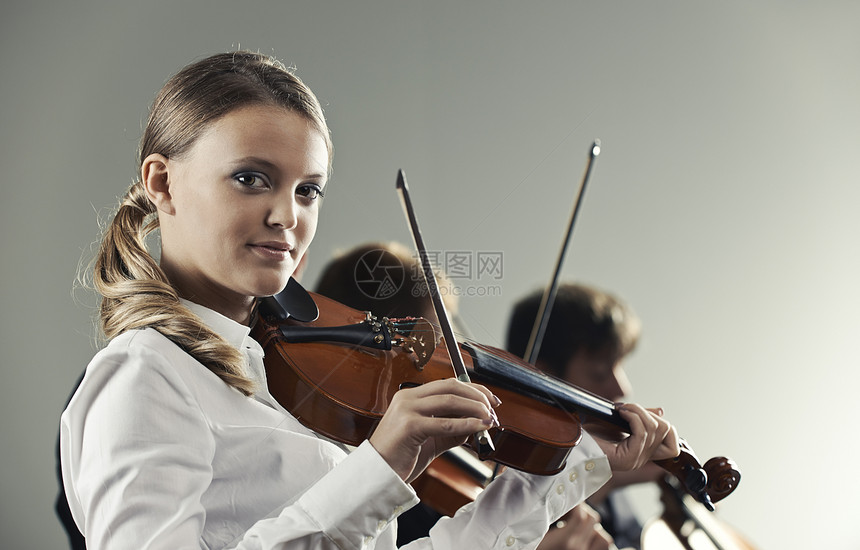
<point>381,525</point>
<point>572,476</point>
<point>559,489</point>
<point>398,510</point>
<point>510,540</point>
<point>367,540</point>
<point>589,466</point>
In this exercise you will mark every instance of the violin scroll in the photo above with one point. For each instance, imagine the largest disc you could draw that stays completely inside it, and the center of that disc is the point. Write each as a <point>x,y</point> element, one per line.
<point>709,483</point>
<point>723,476</point>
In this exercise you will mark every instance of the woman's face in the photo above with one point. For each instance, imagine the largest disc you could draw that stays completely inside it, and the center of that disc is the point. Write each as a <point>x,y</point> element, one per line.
<point>241,207</point>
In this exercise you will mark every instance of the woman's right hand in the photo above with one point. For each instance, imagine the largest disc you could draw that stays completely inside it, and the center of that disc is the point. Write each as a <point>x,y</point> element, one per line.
<point>424,421</point>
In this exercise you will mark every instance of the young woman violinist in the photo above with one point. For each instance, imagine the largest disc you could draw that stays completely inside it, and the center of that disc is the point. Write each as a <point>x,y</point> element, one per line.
<point>173,440</point>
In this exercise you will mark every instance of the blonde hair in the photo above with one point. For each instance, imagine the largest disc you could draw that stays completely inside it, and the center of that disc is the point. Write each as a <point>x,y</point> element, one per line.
<point>135,291</point>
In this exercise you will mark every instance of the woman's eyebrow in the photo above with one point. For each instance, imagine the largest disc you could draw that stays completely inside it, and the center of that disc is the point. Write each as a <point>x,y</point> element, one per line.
<point>271,166</point>
<point>261,162</point>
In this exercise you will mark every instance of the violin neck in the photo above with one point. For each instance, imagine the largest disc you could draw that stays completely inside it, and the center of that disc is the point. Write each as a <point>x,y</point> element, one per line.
<point>503,369</point>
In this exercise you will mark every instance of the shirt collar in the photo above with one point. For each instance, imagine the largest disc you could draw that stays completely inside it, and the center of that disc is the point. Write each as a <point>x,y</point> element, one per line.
<point>228,329</point>
<point>238,336</point>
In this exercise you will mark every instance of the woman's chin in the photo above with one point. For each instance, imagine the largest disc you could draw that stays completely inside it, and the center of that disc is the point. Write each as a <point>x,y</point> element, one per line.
<point>269,286</point>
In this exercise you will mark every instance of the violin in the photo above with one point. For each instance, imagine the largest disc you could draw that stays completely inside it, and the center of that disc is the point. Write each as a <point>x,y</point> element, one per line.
<point>454,479</point>
<point>685,525</point>
<point>336,370</point>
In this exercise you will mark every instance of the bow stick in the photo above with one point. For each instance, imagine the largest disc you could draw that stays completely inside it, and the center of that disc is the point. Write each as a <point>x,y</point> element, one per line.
<point>484,441</point>
<point>542,318</point>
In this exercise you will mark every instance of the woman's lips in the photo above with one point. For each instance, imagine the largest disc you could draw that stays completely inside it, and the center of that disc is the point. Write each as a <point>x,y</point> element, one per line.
<point>272,250</point>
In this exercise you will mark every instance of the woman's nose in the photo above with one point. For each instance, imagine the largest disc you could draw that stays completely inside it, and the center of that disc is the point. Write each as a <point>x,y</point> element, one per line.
<point>284,213</point>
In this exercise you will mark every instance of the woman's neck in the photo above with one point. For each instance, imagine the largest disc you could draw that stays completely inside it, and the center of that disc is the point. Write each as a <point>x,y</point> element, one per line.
<point>230,304</point>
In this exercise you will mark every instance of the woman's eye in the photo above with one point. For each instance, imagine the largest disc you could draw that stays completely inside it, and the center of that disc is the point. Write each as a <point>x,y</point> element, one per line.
<point>251,180</point>
<point>311,191</point>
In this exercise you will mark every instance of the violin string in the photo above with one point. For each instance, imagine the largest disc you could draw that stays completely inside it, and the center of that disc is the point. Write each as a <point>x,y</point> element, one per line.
<point>412,322</point>
<point>398,322</point>
<point>572,414</point>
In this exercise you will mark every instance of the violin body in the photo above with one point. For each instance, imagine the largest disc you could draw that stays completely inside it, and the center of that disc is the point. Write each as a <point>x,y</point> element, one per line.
<point>341,391</point>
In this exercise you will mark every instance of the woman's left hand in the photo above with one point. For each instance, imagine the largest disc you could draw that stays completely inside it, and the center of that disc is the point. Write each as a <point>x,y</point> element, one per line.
<point>652,438</point>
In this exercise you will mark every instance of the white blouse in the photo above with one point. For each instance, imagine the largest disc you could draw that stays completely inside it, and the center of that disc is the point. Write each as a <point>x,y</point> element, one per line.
<point>158,452</point>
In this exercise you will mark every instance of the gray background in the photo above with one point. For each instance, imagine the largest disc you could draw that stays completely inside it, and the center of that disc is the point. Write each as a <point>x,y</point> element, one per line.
<point>722,206</point>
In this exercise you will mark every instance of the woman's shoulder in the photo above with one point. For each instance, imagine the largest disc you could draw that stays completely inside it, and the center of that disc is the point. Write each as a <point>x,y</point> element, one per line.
<point>134,357</point>
<point>144,348</point>
<point>140,368</point>
<point>145,358</point>
<point>145,341</point>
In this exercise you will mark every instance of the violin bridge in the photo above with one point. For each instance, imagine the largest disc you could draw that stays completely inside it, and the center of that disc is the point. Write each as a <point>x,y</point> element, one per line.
<point>419,338</point>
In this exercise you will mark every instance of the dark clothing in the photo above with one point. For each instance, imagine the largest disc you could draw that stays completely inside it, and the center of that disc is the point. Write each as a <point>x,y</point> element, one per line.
<point>61,506</point>
<point>415,523</point>
<point>617,517</point>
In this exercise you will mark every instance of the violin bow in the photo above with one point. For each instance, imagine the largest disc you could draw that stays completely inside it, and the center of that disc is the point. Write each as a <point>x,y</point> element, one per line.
<point>484,441</point>
<point>548,299</point>
<point>692,475</point>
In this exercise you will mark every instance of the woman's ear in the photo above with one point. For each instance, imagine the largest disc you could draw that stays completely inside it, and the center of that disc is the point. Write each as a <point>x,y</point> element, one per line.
<point>155,178</point>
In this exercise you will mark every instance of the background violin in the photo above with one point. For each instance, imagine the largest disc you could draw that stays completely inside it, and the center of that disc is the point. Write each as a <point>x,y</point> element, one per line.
<point>686,525</point>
